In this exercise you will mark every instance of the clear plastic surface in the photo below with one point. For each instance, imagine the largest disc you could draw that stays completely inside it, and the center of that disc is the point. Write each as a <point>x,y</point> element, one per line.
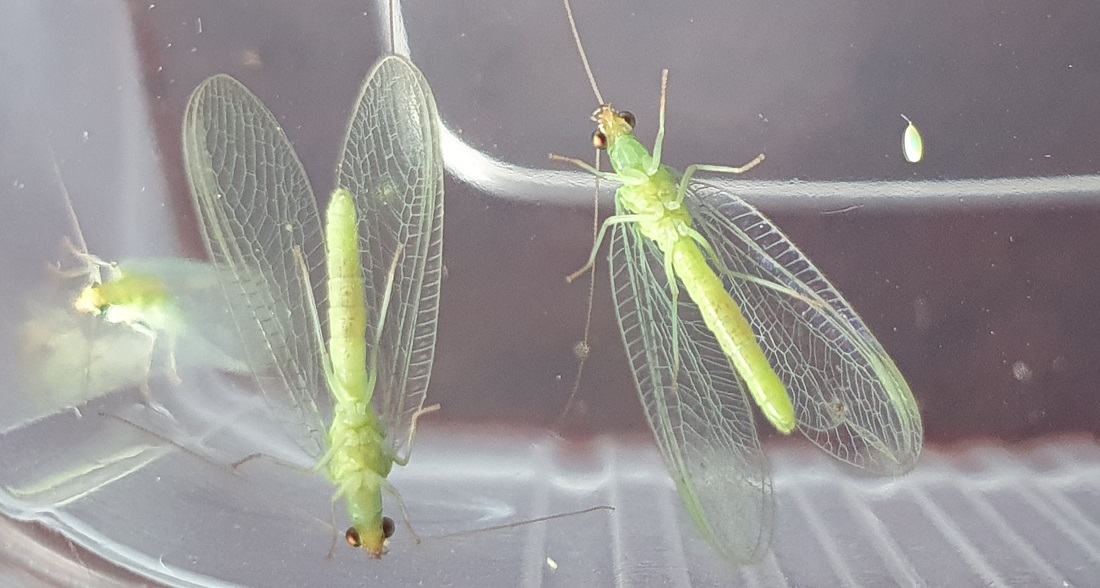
<point>974,268</point>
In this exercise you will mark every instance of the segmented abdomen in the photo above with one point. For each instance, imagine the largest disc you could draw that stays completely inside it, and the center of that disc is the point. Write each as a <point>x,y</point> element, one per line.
<point>734,334</point>
<point>347,310</point>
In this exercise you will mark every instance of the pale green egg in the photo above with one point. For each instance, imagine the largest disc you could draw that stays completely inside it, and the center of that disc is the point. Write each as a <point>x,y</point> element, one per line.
<point>911,143</point>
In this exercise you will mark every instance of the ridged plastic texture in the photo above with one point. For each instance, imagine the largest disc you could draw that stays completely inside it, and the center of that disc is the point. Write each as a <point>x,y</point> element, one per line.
<point>983,514</point>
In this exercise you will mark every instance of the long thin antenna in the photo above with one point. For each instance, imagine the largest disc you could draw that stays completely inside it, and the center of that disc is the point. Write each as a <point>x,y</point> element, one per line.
<point>583,349</point>
<point>580,48</point>
<point>73,221</point>
<point>553,517</point>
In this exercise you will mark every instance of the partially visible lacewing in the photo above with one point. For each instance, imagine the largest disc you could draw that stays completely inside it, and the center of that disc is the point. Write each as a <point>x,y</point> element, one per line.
<point>121,317</point>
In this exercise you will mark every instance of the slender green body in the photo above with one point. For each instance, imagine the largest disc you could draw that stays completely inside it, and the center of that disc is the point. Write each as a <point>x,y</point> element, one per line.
<point>130,289</point>
<point>357,457</point>
<point>664,219</point>
<point>733,333</point>
<point>131,298</point>
<point>347,310</point>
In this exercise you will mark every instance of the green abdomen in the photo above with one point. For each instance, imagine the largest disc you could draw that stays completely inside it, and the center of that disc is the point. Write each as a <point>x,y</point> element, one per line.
<point>734,334</point>
<point>347,310</point>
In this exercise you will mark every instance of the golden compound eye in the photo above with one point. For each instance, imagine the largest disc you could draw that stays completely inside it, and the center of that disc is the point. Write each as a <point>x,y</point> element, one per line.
<point>352,537</point>
<point>387,527</point>
<point>628,116</point>
<point>599,140</point>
